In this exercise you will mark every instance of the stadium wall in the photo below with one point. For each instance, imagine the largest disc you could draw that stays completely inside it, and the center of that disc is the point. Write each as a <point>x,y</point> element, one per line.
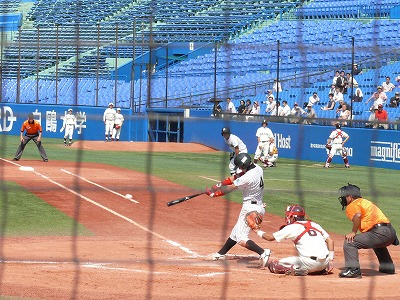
<point>90,125</point>
<point>366,147</point>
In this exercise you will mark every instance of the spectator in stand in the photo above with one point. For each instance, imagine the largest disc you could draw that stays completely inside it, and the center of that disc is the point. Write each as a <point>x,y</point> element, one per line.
<point>344,114</point>
<point>271,106</point>
<point>278,111</point>
<point>296,113</point>
<point>242,107</point>
<point>387,86</point>
<point>334,80</point>
<point>331,103</point>
<point>230,107</point>
<point>379,97</point>
<point>310,114</point>
<point>356,70</point>
<point>351,82</point>
<point>248,107</point>
<point>398,82</point>
<point>285,108</point>
<point>341,82</point>
<point>333,89</point>
<point>381,115</point>
<point>395,100</point>
<point>337,96</point>
<point>313,99</point>
<point>358,95</point>
<point>269,94</point>
<point>341,103</point>
<point>255,109</point>
<point>277,87</point>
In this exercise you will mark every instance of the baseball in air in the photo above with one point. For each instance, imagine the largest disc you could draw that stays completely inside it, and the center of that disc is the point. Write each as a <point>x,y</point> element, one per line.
<point>128,196</point>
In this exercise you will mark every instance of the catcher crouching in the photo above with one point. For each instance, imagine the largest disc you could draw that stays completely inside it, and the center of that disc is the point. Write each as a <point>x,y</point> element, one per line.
<point>314,246</point>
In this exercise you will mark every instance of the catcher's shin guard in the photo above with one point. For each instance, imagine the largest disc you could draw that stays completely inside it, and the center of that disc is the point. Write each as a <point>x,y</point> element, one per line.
<point>276,268</point>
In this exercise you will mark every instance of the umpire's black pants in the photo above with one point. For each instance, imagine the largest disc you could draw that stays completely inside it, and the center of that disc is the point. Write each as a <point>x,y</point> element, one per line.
<point>378,238</point>
<point>26,140</point>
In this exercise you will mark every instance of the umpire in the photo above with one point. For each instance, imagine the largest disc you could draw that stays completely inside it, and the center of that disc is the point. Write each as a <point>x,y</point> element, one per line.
<point>376,232</point>
<point>33,131</point>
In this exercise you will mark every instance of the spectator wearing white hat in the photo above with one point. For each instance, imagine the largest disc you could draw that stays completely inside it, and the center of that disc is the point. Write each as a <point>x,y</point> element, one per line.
<point>109,119</point>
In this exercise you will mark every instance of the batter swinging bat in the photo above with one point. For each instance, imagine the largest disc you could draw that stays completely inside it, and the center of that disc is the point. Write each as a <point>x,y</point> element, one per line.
<point>173,202</point>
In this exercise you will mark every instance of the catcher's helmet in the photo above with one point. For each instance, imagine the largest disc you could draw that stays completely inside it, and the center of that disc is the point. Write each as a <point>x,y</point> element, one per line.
<point>296,211</point>
<point>264,122</point>
<point>348,190</point>
<point>225,130</point>
<point>338,126</point>
<point>242,161</point>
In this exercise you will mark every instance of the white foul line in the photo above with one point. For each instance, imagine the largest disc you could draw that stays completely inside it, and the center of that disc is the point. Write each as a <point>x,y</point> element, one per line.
<point>100,186</point>
<point>175,244</point>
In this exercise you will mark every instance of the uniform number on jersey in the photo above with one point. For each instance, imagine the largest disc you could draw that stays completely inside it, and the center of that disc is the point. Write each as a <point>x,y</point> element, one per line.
<point>312,232</point>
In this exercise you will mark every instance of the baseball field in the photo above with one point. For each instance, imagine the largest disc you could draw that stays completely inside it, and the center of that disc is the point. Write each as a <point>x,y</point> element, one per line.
<point>69,231</point>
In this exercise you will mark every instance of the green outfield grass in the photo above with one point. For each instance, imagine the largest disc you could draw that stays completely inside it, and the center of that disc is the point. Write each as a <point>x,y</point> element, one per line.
<point>303,182</point>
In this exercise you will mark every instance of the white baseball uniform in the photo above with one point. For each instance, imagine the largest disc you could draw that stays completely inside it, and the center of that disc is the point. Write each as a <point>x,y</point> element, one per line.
<point>234,141</point>
<point>119,119</point>
<point>264,136</point>
<point>69,124</point>
<point>337,137</point>
<point>309,241</point>
<point>109,119</point>
<point>252,186</point>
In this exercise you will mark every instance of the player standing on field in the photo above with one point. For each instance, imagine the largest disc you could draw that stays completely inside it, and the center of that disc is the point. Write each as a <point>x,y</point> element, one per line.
<point>33,131</point>
<point>119,119</point>
<point>109,119</point>
<point>335,143</point>
<point>69,124</point>
<point>249,178</point>
<point>235,144</point>
<point>264,139</point>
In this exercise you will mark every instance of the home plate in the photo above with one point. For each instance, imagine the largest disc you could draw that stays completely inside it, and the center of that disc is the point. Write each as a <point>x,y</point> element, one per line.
<point>23,168</point>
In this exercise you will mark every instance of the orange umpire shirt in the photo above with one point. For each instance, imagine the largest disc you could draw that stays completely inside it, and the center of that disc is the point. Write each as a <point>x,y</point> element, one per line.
<point>370,213</point>
<point>31,129</point>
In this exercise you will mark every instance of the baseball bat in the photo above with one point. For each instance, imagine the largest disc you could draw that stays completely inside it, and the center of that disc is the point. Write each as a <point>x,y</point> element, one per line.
<point>180,200</point>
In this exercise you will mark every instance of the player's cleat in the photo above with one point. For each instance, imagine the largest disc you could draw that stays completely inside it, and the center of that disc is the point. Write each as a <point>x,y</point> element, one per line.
<point>216,256</point>
<point>264,258</point>
<point>65,145</point>
<point>326,166</point>
<point>350,273</point>
<point>387,268</point>
<point>265,166</point>
<point>45,160</point>
<point>347,166</point>
<point>112,139</point>
<point>15,159</point>
<point>296,272</point>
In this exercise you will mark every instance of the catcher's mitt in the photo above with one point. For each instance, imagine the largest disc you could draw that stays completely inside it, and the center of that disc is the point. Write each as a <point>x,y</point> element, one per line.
<point>328,146</point>
<point>254,220</point>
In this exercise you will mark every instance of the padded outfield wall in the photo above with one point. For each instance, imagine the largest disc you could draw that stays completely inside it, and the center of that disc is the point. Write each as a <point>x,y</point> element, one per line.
<point>366,147</point>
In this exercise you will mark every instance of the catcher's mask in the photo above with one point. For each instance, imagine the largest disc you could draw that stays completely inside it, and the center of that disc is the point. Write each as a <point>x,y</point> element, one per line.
<point>348,190</point>
<point>242,161</point>
<point>295,211</point>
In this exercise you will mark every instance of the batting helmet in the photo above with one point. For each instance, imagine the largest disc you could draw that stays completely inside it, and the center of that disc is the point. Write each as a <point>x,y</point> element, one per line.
<point>348,190</point>
<point>264,122</point>
<point>225,130</point>
<point>242,161</point>
<point>296,211</point>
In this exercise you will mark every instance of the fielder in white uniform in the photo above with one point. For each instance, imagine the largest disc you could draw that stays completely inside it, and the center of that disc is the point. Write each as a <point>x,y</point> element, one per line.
<point>119,119</point>
<point>235,144</point>
<point>336,140</point>
<point>69,124</point>
<point>109,119</point>
<point>250,180</point>
<point>314,246</point>
<point>264,139</point>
